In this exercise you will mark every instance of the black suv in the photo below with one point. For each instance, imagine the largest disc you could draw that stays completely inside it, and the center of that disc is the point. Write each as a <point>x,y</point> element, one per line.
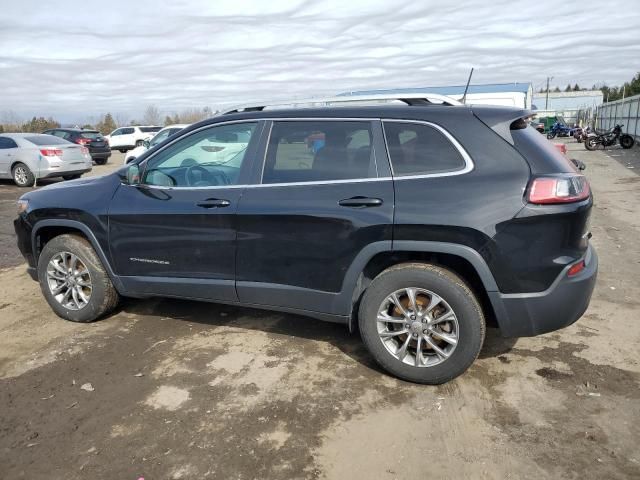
<point>418,223</point>
<point>92,139</point>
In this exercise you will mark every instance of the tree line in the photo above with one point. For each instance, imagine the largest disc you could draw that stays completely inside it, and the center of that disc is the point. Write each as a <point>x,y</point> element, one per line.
<point>106,123</point>
<point>610,94</point>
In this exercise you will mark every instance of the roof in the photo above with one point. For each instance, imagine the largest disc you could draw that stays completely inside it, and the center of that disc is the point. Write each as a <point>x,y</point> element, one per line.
<point>579,93</point>
<point>451,90</point>
<point>73,129</point>
<point>24,134</point>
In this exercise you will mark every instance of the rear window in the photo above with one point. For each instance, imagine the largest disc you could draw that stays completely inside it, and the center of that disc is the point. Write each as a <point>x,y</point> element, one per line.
<point>418,149</point>
<point>150,129</point>
<point>91,135</point>
<point>46,140</point>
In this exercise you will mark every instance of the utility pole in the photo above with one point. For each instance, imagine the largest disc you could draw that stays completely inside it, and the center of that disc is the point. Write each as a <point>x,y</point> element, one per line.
<point>546,103</point>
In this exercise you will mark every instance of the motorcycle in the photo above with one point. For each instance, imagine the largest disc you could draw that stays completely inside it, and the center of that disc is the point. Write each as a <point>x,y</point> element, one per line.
<point>609,138</point>
<point>580,134</point>
<point>558,129</point>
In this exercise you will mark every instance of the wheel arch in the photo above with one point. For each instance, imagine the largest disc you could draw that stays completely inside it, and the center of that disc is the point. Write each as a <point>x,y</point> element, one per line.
<point>461,259</point>
<point>45,230</point>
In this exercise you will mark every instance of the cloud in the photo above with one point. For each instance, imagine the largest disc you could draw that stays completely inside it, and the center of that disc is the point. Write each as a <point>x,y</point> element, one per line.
<point>74,59</point>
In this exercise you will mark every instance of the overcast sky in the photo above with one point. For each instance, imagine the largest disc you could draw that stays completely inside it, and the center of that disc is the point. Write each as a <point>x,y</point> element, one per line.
<point>74,59</point>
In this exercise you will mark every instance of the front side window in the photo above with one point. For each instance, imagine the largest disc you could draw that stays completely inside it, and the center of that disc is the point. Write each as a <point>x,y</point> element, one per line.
<point>117,132</point>
<point>310,151</point>
<point>418,149</point>
<point>208,158</point>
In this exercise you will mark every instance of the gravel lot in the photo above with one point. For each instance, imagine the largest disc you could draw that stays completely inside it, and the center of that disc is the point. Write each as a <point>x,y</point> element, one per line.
<point>176,389</point>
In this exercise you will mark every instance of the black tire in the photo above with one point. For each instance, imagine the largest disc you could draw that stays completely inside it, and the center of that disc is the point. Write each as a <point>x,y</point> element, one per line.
<point>454,291</point>
<point>551,135</point>
<point>103,296</point>
<point>100,161</point>
<point>123,150</point>
<point>591,144</point>
<point>626,141</point>
<point>72,177</point>
<point>22,175</point>
<point>139,143</point>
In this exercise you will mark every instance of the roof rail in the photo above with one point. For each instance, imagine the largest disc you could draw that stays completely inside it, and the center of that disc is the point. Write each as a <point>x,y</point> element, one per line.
<point>408,98</point>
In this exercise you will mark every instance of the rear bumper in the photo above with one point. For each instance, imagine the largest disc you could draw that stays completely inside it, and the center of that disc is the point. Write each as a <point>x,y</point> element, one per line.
<point>60,172</point>
<point>106,153</point>
<point>564,302</point>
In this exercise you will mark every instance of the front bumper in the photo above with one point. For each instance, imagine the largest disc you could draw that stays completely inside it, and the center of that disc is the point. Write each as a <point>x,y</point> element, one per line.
<point>564,302</point>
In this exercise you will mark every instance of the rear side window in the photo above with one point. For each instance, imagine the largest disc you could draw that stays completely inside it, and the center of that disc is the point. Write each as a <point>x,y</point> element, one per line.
<point>309,151</point>
<point>126,131</point>
<point>46,140</point>
<point>7,143</point>
<point>150,129</point>
<point>418,149</point>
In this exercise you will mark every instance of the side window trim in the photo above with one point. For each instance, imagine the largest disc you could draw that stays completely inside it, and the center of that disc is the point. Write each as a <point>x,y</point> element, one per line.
<point>264,147</point>
<point>468,167</point>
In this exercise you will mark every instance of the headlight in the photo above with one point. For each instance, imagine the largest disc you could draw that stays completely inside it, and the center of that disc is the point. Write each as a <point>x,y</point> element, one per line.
<point>22,206</point>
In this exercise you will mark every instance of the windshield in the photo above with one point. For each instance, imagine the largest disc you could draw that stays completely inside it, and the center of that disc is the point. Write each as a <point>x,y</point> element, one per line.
<point>91,135</point>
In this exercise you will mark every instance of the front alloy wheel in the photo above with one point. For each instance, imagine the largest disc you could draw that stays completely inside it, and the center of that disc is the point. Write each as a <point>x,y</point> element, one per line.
<point>69,281</point>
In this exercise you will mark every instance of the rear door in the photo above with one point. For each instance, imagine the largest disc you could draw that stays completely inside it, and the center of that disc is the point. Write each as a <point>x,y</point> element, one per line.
<point>320,199</point>
<point>8,150</point>
<point>175,233</point>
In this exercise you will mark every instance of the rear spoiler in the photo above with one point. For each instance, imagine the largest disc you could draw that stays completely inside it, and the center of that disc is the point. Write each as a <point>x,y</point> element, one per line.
<point>501,119</point>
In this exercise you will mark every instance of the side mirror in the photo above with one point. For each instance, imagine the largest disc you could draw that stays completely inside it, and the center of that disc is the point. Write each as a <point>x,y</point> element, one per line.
<point>133,174</point>
<point>146,143</point>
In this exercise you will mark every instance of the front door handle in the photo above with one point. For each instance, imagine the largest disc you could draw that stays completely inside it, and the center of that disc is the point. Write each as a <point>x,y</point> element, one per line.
<point>213,203</point>
<point>360,202</point>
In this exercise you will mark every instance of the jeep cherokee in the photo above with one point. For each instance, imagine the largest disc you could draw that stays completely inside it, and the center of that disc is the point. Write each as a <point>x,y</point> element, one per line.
<point>418,223</point>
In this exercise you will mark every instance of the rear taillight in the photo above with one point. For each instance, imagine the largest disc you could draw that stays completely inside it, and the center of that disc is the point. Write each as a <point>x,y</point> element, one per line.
<point>560,189</point>
<point>576,268</point>
<point>83,141</point>
<point>84,151</point>
<point>51,152</point>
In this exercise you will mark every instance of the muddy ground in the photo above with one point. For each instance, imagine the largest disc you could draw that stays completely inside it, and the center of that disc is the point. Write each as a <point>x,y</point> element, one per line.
<point>176,389</point>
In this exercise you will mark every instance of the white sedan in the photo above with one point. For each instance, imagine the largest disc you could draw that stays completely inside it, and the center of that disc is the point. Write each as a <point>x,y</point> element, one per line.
<point>162,135</point>
<point>25,157</point>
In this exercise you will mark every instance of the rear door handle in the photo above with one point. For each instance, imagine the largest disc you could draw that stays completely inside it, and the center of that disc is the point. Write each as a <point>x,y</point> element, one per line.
<point>213,203</point>
<point>360,202</point>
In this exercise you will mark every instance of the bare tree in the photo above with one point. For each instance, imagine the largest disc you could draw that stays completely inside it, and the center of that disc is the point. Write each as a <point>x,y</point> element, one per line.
<point>152,116</point>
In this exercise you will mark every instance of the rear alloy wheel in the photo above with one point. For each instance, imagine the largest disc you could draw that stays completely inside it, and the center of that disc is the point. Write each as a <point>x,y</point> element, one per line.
<point>73,280</point>
<point>22,176</point>
<point>421,323</point>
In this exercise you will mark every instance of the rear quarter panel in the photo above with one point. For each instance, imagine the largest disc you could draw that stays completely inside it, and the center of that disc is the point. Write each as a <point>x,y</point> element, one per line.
<point>471,209</point>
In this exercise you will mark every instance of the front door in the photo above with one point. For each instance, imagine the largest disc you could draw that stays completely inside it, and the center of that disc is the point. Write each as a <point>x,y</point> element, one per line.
<point>322,198</point>
<point>8,154</point>
<point>174,233</point>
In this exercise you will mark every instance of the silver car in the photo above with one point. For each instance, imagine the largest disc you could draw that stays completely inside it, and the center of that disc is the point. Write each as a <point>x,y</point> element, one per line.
<point>26,157</point>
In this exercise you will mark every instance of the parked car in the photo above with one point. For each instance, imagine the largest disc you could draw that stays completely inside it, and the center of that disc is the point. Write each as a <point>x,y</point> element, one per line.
<point>126,138</point>
<point>92,139</point>
<point>26,157</point>
<point>416,224</point>
<point>159,137</point>
<point>539,126</point>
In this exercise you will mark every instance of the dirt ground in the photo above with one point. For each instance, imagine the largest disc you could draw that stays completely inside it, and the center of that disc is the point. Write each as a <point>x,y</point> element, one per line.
<point>175,389</point>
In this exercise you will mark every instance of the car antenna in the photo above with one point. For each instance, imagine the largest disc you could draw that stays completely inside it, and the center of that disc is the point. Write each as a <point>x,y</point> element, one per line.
<point>464,97</point>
